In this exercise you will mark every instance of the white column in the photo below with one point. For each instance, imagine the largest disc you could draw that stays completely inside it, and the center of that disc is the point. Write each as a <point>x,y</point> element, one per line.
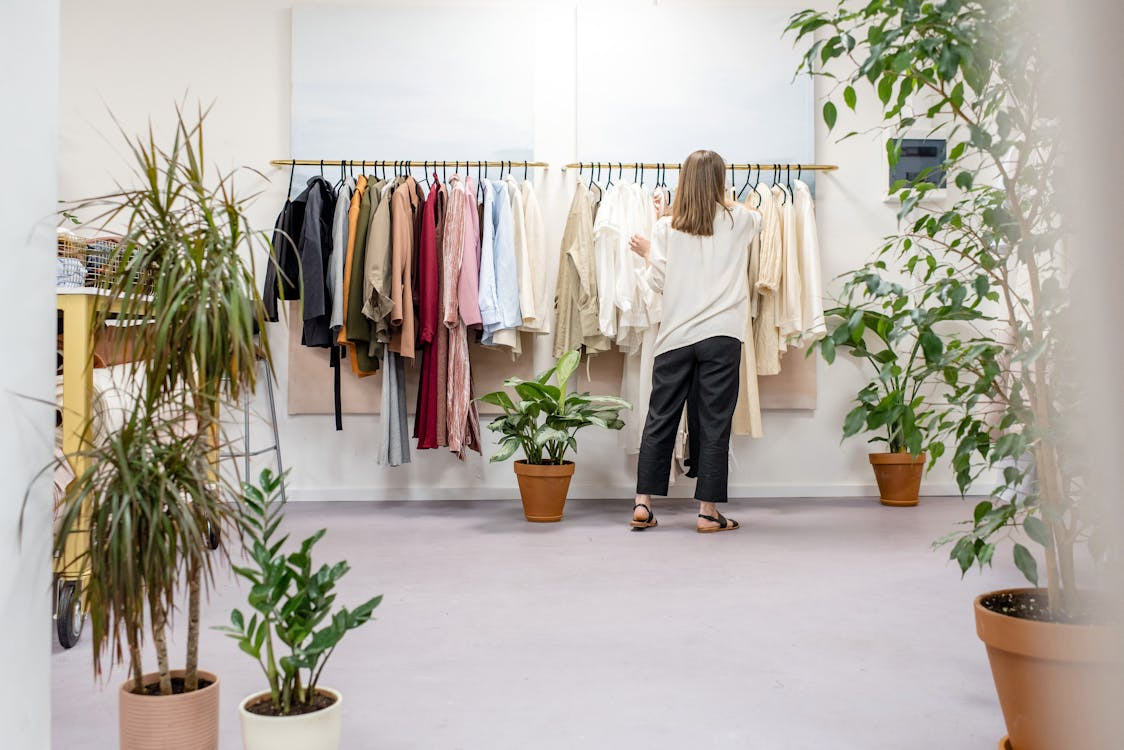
<point>29,32</point>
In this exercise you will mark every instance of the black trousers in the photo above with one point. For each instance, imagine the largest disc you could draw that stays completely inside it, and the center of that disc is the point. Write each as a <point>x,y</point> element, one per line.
<point>705,377</point>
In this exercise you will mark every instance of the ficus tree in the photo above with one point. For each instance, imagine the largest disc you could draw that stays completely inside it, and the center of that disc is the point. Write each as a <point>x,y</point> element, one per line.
<point>973,71</point>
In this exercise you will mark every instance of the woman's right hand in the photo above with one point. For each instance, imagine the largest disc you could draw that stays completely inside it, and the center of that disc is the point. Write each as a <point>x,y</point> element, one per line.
<point>639,245</point>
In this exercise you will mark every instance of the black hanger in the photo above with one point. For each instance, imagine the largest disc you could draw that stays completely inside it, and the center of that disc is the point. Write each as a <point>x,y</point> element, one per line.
<point>609,184</point>
<point>641,180</point>
<point>321,169</point>
<point>292,172</point>
<point>524,170</point>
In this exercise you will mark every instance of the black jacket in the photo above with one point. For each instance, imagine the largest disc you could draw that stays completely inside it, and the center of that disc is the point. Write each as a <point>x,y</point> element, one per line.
<point>302,241</point>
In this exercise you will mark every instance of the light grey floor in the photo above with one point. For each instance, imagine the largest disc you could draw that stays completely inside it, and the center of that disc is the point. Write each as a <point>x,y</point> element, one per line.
<point>820,624</point>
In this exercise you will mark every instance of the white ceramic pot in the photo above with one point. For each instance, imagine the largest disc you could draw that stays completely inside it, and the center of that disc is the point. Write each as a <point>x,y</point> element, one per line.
<point>319,730</point>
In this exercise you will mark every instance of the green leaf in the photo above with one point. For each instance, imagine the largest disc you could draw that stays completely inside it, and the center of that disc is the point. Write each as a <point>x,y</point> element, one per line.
<point>932,346</point>
<point>827,348</point>
<point>982,509</point>
<point>603,402</point>
<point>964,180</point>
<point>1025,562</point>
<point>981,285</point>
<point>886,88</point>
<point>507,448</point>
<point>829,114</point>
<point>849,97</point>
<point>567,363</point>
<point>500,399</point>
<point>957,95</point>
<point>894,151</point>
<point>963,552</point>
<point>854,422</point>
<point>1037,530</point>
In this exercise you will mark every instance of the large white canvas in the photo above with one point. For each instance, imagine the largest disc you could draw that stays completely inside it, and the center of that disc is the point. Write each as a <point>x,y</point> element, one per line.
<point>410,81</point>
<point>655,82</point>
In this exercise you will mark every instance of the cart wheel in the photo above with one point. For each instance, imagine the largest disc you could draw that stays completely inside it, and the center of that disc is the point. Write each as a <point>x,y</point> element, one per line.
<point>70,618</point>
<point>212,536</point>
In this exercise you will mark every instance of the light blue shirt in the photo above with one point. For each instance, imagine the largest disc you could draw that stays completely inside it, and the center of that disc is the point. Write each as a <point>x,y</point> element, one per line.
<point>489,303</point>
<point>504,299</point>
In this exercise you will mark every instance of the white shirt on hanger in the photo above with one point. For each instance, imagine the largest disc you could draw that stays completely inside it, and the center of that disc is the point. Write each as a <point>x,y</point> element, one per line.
<point>811,281</point>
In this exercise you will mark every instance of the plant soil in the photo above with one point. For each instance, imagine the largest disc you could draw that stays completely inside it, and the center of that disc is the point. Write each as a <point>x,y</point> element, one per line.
<point>1032,605</point>
<point>264,706</point>
<point>153,688</point>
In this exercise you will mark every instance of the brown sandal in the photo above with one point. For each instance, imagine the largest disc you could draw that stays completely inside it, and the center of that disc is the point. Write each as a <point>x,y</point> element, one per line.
<point>641,525</point>
<point>724,524</point>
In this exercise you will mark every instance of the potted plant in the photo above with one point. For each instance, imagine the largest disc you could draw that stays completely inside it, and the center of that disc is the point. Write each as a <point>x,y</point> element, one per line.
<point>151,501</point>
<point>146,502</point>
<point>900,338</point>
<point>291,630</point>
<point>974,69</point>
<point>543,422</point>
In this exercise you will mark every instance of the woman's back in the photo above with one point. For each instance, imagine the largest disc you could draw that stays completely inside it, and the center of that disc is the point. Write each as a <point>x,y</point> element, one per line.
<point>702,278</point>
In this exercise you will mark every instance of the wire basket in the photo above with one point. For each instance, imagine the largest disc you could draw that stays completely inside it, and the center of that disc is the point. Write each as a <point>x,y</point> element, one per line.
<point>99,259</point>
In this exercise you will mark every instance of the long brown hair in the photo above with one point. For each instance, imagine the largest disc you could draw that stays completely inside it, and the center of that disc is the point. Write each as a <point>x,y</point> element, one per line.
<point>702,190</point>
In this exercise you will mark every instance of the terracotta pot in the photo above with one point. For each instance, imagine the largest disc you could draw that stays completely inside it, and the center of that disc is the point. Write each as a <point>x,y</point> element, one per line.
<point>189,721</point>
<point>899,477</point>
<point>319,730</point>
<point>1056,682</point>
<point>543,488</point>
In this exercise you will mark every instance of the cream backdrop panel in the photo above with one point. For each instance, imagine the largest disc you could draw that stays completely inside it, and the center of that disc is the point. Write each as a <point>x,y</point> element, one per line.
<point>436,95</point>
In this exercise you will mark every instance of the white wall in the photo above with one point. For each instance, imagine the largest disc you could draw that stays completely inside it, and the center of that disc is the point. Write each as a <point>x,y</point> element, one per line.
<point>237,54</point>
<point>29,89</point>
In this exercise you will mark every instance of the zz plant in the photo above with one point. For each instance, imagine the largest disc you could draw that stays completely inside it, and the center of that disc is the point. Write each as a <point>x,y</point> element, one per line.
<point>545,418</point>
<point>972,71</point>
<point>293,625</point>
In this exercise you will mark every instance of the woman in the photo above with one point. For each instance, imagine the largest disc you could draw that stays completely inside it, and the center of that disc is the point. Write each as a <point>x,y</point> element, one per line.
<point>697,260</point>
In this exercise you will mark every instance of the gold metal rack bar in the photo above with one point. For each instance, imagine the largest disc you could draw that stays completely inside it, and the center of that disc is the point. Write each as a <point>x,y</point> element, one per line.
<point>668,165</point>
<point>407,163</point>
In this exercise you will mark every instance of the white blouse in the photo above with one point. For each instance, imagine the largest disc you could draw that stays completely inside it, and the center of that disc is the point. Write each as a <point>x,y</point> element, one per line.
<point>702,280</point>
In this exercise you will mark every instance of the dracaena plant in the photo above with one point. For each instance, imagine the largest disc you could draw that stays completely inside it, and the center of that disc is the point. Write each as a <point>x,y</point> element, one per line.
<point>293,625</point>
<point>973,70</point>
<point>544,418</point>
<point>146,503</point>
<point>184,264</point>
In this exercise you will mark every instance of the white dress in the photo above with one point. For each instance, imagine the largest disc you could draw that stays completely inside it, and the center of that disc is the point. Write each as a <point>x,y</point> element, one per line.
<point>767,285</point>
<point>606,251</point>
<point>790,315</point>
<point>536,318</point>
<point>811,279</point>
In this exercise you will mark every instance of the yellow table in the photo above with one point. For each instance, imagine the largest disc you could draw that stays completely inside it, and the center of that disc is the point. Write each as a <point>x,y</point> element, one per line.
<point>78,306</point>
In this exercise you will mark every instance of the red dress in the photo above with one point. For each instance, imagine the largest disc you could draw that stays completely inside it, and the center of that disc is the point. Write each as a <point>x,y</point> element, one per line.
<point>429,323</point>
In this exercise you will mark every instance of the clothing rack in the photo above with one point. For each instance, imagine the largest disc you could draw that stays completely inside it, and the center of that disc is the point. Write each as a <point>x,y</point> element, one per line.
<point>668,165</point>
<point>383,163</point>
